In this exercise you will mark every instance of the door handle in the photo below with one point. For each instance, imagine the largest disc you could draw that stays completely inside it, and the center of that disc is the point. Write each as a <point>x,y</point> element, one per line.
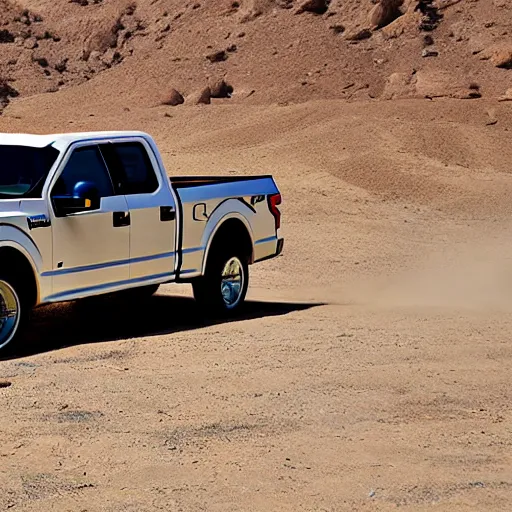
<point>121,219</point>
<point>167,213</point>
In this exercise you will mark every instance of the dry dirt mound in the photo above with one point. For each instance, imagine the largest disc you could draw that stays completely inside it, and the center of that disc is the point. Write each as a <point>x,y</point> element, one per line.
<point>268,50</point>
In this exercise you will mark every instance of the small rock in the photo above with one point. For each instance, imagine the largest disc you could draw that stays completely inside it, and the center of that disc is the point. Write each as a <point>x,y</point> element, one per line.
<point>217,56</point>
<point>5,383</point>
<point>95,55</point>
<point>337,28</point>
<point>30,43</point>
<point>429,53</point>
<point>466,94</point>
<point>173,98</point>
<point>492,120</point>
<point>358,34</point>
<point>61,66</point>
<point>428,40</point>
<point>42,62</point>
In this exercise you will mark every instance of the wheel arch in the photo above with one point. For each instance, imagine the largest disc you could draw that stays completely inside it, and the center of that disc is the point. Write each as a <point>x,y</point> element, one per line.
<point>15,257</point>
<point>231,227</point>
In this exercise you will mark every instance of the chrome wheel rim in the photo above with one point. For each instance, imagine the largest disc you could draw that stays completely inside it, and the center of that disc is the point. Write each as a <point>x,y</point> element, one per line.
<point>232,283</point>
<point>9,313</point>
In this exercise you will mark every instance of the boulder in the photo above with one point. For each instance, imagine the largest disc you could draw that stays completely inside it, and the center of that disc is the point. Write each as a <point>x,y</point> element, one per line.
<point>101,39</point>
<point>255,8</point>
<point>220,89</point>
<point>499,54</point>
<point>314,6</point>
<point>200,97</point>
<point>502,57</point>
<point>428,84</point>
<point>399,85</point>
<point>384,12</point>
<point>173,98</point>
<point>406,24</point>
<point>435,84</point>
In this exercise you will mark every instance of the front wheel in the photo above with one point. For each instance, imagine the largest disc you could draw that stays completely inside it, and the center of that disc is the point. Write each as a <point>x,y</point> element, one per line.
<point>13,313</point>
<point>223,288</point>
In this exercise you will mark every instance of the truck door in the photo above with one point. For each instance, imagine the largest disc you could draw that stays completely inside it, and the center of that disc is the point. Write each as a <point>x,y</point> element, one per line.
<point>151,205</point>
<point>91,239</point>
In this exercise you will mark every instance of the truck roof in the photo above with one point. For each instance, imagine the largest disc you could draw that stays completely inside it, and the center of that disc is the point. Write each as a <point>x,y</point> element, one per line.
<point>61,140</point>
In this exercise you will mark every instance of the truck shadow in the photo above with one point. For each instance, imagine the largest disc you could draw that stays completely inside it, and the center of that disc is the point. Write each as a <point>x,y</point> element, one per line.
<point>63,325</point>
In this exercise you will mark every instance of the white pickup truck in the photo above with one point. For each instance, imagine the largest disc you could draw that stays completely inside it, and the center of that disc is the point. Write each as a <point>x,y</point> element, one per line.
<point>86,214</point>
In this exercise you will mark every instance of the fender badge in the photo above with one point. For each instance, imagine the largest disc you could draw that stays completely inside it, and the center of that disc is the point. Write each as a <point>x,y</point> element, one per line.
<point>38,221</point>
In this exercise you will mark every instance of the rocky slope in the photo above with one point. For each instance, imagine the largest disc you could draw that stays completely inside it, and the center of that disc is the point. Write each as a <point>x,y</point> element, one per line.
<point>152,51</point>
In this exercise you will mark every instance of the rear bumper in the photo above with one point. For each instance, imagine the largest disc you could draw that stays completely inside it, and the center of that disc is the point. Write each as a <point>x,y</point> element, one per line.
<point>279,250</point>
<point>280,245</point>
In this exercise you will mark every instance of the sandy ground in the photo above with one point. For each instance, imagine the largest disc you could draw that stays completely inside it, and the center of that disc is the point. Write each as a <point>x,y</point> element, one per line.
<point>371,370</point>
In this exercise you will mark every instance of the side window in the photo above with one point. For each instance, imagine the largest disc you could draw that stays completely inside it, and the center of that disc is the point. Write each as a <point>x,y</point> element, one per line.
<point>85,164</point>
<point>139,175</point>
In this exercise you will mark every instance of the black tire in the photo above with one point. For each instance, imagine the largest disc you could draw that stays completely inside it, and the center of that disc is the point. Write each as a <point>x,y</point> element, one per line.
<point>13,295</point>
<point>208,289</point>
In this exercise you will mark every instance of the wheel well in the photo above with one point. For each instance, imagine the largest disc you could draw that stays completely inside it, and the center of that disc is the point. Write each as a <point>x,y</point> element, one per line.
<point>233,232</point>
<point>13,260</point>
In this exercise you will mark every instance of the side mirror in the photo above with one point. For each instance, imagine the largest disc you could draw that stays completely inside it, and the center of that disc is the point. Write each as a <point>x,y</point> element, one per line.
<point>85,198</point>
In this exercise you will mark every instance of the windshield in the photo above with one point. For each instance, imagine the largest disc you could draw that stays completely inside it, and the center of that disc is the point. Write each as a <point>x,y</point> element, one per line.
<point>23,170</point>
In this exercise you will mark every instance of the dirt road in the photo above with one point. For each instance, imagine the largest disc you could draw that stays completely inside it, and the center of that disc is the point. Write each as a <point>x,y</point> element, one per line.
<point>371,370</point>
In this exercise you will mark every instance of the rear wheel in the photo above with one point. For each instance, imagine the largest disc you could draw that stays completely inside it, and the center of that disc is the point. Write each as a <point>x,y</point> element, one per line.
<point>223,288</point>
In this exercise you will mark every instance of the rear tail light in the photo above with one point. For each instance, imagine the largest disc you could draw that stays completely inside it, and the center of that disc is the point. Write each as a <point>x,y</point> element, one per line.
<point>273,202</point>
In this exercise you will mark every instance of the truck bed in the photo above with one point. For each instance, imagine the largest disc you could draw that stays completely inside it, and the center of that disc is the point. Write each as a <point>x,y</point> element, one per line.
<point>196,181</point>
<point>205,201</point>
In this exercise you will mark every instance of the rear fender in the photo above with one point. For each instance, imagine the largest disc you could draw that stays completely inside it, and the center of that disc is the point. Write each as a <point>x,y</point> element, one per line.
<point>230,209</point>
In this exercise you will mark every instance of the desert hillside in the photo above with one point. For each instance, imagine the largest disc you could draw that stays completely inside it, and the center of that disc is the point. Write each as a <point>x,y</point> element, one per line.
<point>128,53</point>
